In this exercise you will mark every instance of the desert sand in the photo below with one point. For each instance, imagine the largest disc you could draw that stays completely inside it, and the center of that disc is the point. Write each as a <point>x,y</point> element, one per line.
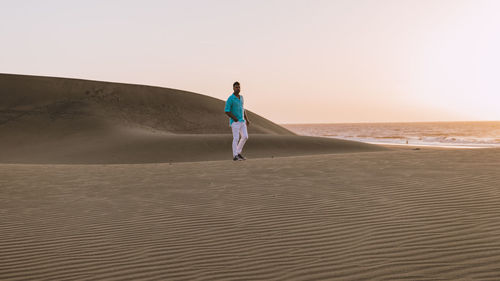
<point>128,197</point>
<point>399,215</point>
<point>47,120</point>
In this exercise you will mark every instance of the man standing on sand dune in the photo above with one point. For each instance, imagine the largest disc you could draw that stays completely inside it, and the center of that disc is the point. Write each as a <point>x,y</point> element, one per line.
<point>238,121</point>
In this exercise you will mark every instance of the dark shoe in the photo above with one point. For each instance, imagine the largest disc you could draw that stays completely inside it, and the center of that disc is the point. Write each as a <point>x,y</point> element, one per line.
<point>236,158</point>
<point>241,157</point>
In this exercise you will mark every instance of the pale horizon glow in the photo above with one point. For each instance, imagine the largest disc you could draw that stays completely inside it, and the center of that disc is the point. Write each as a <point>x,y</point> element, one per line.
<point>297,61</point>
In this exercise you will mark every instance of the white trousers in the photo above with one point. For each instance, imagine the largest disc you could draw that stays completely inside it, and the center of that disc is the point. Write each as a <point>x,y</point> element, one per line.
<point>239,128</point>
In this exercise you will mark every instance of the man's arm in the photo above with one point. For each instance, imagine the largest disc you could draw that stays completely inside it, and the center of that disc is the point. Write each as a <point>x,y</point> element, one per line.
<point>228,113</point>
<point>246,118</point>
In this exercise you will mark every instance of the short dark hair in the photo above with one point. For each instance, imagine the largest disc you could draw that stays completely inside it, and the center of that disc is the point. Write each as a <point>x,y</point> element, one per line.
<point>236,83</point>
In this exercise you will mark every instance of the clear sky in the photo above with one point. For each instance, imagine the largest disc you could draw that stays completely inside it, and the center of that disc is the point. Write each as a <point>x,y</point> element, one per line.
<point>297,61</point>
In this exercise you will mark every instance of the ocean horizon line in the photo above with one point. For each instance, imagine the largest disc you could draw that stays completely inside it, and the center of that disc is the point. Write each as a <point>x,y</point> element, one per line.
<point>393,122</point>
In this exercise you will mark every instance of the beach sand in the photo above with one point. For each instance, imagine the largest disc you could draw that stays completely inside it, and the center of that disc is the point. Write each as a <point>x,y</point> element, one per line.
<point>390,215</point>
<point>109,181</point>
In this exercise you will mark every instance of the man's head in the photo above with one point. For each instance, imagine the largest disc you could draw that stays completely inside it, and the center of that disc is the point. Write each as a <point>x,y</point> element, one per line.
<point>236,87</point>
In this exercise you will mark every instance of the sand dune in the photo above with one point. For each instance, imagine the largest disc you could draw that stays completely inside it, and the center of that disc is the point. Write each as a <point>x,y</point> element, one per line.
<point>69,106</point>
<point>329,211</point>
<point>394,215</point>
<point>60,120</point>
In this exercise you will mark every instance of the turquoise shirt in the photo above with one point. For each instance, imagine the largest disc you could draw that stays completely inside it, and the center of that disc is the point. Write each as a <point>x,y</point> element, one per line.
<point>235,106</point>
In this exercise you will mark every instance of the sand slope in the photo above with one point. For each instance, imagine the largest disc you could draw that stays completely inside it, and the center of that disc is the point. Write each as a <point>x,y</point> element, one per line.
<point>73,105</point>
<point>60,120</point>
<point>397,215</point>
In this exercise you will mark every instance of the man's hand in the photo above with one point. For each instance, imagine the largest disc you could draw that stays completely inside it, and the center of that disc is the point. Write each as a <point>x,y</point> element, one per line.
<point>248,123</point>
<point>232,116</point>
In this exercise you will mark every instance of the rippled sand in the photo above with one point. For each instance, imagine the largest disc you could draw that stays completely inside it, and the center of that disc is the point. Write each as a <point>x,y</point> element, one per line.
<point>390,215</point>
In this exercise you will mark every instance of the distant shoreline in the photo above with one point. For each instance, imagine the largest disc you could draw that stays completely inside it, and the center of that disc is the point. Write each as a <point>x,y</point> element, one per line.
<point>389,122</point>
<point>471,134</point>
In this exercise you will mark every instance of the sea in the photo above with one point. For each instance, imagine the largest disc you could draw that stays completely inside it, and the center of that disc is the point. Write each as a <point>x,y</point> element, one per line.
<point>480,134</point>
